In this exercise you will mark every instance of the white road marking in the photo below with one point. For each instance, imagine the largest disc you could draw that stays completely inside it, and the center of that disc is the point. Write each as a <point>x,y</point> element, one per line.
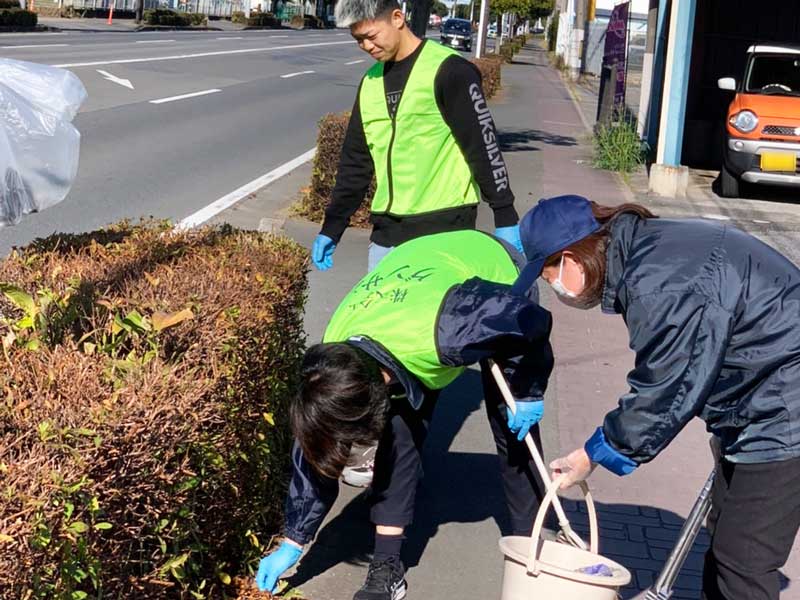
<point>128,61</point>
<point>354,62</point>
<point>154,41</point>
<point>716,217</point>
<point>274,37</point>
<point>761,222</point>
<point>290,75</point>
<point>230,38</point>
<point>213,209</point>
<point>118,80</point>
<point>184,96</point>
<point>34,46</point>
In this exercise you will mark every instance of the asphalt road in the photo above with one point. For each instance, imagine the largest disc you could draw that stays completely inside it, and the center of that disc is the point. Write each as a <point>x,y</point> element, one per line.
<point>170,159</point>
<point>207,113</point>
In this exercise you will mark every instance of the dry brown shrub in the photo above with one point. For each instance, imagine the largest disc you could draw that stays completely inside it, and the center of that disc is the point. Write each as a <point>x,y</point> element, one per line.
<point>490,68</point>
<point>315,199</point>
<point>137,462</point>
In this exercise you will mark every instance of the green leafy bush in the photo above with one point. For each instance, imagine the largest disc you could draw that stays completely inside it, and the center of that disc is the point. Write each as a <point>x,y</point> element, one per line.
<point>144,434</point>
<point>198,19</point>
<point>263,20</point>
<point>618,147</point>
<point>9,4</point>
<point>313,22</point>
<point>552,33</point>
<point>167,18</point>
<point>506,52</point>
<point>238,16</point>
<point>16,17</point>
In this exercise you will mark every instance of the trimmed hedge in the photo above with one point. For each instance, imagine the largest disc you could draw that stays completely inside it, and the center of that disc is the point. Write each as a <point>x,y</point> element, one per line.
<point>330,139</point>
<point>314,199</point>
<point>490,68</point>
<point>17,17</point>
<point>238,16</point>
<point>143,425</point>
<point>263,20</point>
<point>313,22</point>
<point>171,18</point>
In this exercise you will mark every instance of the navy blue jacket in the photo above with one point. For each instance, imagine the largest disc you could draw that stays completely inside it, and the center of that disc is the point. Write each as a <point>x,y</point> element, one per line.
<point>714,318</point>
<point>477,320</point>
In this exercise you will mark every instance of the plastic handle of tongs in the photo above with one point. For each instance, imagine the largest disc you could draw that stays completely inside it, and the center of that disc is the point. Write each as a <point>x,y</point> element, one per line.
<point>563,522</point>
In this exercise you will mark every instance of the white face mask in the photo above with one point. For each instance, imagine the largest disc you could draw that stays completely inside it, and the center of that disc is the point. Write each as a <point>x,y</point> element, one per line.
<point>558,285</point>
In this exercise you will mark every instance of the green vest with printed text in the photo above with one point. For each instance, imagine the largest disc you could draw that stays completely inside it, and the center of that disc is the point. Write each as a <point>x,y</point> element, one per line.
<point>398,303</point>
<point>419,167</point>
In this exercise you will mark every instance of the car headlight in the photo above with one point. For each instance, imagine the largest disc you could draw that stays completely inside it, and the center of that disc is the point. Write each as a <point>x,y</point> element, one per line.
<point>745,121</point>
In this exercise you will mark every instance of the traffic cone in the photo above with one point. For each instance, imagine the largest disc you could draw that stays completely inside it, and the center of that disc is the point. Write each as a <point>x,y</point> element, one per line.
<point>111,13</point>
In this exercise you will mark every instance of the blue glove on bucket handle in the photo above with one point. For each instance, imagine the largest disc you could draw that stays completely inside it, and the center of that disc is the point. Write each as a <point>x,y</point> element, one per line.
<point>322,252</point>
<point>529,413</point>
<point>276,564</point>
<point>511,235</point>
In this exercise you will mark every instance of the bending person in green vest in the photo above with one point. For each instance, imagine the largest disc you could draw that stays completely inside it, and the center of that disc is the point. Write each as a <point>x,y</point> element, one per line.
<point>421,126</point>
<point>409,328</point>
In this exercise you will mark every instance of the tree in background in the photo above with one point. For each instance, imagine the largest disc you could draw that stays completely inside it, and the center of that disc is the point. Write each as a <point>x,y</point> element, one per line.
<point>523,9</point>
<point>462,11</point>
<point>540,9</point>
<point>440,8</point>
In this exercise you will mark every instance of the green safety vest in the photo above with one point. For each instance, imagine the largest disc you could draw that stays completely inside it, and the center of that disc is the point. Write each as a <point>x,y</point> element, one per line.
<point>419,167</point>
<point>398,303</point>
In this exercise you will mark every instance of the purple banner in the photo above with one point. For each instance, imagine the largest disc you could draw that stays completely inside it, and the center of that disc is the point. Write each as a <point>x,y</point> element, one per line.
<point>616,49</point>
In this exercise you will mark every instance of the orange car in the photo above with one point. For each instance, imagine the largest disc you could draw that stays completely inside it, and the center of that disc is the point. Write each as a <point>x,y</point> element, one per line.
<point>763,128</point>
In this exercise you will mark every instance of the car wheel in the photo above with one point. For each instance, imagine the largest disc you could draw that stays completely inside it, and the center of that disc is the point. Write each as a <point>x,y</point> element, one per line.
<point>729,183</point>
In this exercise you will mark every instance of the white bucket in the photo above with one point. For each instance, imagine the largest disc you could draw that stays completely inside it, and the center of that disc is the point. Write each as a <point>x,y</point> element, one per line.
<point>537,569</point>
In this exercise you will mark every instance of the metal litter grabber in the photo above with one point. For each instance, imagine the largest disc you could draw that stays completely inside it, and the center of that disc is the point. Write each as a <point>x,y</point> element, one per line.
<point>567,534</point>
<point>664,583</point>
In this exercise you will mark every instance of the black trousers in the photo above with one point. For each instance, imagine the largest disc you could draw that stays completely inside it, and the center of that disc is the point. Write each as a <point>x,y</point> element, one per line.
<point>754,519</point>
<point>398,463</point>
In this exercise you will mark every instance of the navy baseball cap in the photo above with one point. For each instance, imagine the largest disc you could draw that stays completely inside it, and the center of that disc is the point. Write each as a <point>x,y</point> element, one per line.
<point>549,227</point>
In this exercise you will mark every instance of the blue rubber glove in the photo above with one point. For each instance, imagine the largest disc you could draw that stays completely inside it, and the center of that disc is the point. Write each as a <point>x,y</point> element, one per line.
<point>511,235</point>
<point>529,413</point>
<point>276,564</point>
<point>322,252</point>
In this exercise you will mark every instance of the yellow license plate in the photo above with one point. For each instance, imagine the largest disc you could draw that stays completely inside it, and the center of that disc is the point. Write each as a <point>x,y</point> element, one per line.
<point>779,161</point>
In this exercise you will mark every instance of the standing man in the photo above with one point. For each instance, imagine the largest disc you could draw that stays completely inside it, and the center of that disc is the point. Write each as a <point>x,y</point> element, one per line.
<point>421,126</point>
<point>409,328</point>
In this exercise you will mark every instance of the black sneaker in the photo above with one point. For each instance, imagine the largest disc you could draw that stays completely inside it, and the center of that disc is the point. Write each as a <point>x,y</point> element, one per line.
<point>384,581</point>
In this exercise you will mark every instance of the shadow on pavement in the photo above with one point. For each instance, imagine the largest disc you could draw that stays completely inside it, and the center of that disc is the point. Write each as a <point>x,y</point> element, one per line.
<point>522,140</point>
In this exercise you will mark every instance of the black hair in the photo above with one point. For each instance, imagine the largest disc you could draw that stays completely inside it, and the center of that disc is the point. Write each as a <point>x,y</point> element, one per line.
<point>342,402</point>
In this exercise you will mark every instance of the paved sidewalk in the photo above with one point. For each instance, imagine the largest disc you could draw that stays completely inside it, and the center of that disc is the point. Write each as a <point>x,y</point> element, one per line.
<point>452,547</point>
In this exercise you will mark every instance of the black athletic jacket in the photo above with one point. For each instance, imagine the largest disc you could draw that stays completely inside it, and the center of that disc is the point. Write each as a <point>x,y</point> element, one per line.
<point>463,107</point>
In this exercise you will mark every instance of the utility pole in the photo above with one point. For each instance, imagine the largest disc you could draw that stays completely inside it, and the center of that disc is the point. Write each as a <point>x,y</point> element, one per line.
<point>139,10</point>
<point>578,34</point>
<point>480,48</point>
<point>420,13</point>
